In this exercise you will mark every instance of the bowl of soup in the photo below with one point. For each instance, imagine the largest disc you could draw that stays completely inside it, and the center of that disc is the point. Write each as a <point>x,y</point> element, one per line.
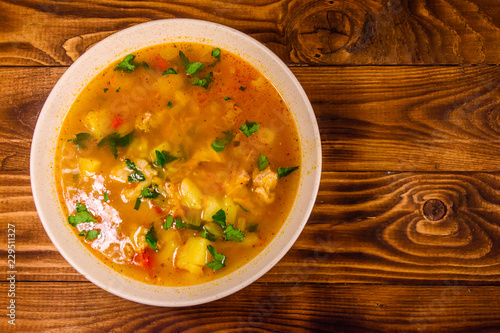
<point>175,162</point>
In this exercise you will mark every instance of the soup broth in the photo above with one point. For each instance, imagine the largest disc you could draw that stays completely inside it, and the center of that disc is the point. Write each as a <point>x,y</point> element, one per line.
<point>178,164</point>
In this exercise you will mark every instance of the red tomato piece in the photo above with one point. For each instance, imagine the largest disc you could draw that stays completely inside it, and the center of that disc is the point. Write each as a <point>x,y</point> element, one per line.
<point>161,63</point>
<point>143,259</point>
<point>117,121</point>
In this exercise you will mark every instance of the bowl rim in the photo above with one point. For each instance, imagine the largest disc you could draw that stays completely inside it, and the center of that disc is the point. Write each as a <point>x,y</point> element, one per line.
<point>45,214</point>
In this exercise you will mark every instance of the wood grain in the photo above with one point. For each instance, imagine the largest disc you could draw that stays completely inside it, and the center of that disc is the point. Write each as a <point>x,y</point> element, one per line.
<point>371,118</point>
<point>263,308</point>
<point>365,227</point>
<point>54,33</point>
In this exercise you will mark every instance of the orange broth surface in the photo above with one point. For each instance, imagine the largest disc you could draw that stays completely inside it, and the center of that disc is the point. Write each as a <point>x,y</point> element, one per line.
<point>150,161</point>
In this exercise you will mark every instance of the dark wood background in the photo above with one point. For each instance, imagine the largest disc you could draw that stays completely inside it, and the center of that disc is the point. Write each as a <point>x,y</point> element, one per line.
<point>406,93</point>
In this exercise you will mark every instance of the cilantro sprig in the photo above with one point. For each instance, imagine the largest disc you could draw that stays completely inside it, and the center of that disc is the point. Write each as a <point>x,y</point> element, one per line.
<point>221,143</point>
<point>262,162</point>
<point>169,222</point>
<point>114,140</point>
<point>249,128</point>
<point>219,259</point>
<point>164,157</point>
<point>233,234</point>
<point>192,68</point>
<point>152,238</point>
<point>207,79</point>
<point>283,172</point>
<point>81,140</point>
<point>136,175</point>
<point>220,218</point>
<point>82,215</point>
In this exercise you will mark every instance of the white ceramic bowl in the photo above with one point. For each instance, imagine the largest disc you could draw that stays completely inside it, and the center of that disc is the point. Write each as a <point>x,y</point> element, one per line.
<point>94,61</point>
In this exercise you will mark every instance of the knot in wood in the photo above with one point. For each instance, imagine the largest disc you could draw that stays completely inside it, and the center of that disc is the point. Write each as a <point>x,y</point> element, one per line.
<point>434,209</point>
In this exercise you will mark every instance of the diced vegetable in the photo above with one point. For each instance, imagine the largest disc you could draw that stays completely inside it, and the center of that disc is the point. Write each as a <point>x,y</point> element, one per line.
<point>88,166</point>
<point>212,206</point>
<point>191,194</point>
<point>231,210</point>
<point>192,256</point>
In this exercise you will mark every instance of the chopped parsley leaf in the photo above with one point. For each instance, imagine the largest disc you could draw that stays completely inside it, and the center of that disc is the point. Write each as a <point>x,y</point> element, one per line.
<point>179,224</point>
<point>283,172</point>
<point>220,218</point>
<point>81,139</point>
<point>216,53</point>
<point>105,90</point>
<point>169,71</point>
<point>249,128</point>
<point>145,65</point>
<point>219,259</point>
<point>233,234</point>
<point>169,222</point>
<point>262,162</point>
<point>227,98</point>
<point>244,209</point>
<point>169,104</point>
<point>92,234</point>
<point>106,196</point>
<point>242,88</point>
<point>192,68</point>
<point>150,192</point>
<point>127,64</point>
<point>206,234</point>
<point>82,233</point>
<point>137,203</point>
<point>221,143</point>
<point>196,81</point>
<point>81,216</point>
<point>118,90</point>
<point>114,140</point>
<point>137,175</point>
<point>252,227</point>
<point>152,238</point>
<point>164,157</point>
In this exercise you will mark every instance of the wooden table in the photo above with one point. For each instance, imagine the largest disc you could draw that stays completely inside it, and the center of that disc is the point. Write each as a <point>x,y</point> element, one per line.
<point>405,233</point>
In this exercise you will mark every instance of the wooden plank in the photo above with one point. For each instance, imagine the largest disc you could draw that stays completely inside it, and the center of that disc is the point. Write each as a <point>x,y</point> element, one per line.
<point>371,118</point>
<point>53,33</point>
<point>365,228</point>
<point>70,307</point>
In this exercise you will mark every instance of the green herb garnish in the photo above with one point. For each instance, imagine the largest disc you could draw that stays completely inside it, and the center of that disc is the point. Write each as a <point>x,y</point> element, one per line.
<point>249,128</point>
<point>220,218</point>
<point>252,227</point>
<point>164,157</point>
<point>127,65</point>
<point>118,90</point>
<point>242,88</point>
<point>179,224</point>
<point>216,53</point>
<point>206,234</point>
<point>114,140</point>
<point>169,71</point>
<point>137,175</point>
<point>227,98</point>
<point>151,237</point>
<point>81,140</point>
<point>196,81</point>
<point>106,196</point>
<point>192,68</point>
<point>233,234</point>
<point>219,259</point>
<point>92,234</point>
<point>138,203</point>
<point>105,90</point>
<point>81,216</point>
<point>150,192</point>
<point>283,172</point>
<point>262,162</point>
<point>169,222</point>
<point>169,104</point>
<point>82,233</point>
<point>244,209</point>
<point>221,143</point>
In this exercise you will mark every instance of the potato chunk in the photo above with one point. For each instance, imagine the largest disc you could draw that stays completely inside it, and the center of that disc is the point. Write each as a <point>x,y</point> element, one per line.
<point>191,194</point>
<point>193,255</point>
<point>88,166</point>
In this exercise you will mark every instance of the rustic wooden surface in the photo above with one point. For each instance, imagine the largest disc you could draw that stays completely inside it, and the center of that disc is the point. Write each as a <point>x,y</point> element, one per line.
<point>406,93</point>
